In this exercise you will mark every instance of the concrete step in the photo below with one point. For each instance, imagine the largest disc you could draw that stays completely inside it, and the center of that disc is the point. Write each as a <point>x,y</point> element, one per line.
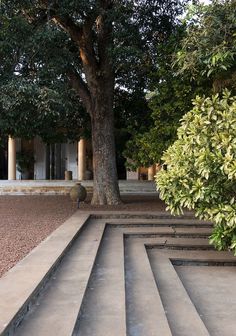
<point>156,218</point>
<point>165,231</point>
<point>104,311</point>
<point>183,318</point>
<point>194,303</point>
<point>146,314</point>
<point>143,220</point>
<point>117,275</point>
<point>144,310</point>
<point>104,304</point>
<point>61,187</point>
<point>59,306</point>
<point>23,284</point>
<point>182,315</point>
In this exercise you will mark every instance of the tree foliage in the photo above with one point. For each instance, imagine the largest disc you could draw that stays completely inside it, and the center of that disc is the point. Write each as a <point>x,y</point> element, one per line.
<point>209,47</point>
<point>28,109</point>
<point>199,59</point>
<point>170,98</point>
<point>201,170</point>
<point>37,52</point>
<point>201,166</point>
<point>35,99</point>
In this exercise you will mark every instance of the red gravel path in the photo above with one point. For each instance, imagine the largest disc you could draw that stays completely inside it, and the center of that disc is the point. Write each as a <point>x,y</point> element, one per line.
<point>25,221</point>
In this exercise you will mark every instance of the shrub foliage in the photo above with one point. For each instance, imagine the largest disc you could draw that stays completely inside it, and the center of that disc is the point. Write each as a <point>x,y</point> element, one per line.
<point>201,167</point>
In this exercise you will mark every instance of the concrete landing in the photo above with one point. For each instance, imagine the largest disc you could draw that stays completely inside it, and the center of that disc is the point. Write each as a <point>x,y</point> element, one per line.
<point>122,274</point>
<point>61,187</point>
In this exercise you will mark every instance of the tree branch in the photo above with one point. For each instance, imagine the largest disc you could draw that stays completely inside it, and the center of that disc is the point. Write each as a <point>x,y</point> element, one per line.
<point>83,37</point>
<point>81,34</point>
<point>78,84</point>
<point>104,33</point>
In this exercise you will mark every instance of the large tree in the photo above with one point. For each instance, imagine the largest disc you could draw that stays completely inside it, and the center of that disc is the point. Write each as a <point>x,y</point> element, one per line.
<point>106,43</point>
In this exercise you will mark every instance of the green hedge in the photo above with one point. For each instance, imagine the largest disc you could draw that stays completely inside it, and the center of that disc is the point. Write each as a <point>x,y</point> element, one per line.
<point>201,167</point>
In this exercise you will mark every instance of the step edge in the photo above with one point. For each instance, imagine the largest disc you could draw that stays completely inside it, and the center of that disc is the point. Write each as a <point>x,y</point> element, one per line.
<point>162,318</point>
<point>13,318</point>
<point>77,323</point>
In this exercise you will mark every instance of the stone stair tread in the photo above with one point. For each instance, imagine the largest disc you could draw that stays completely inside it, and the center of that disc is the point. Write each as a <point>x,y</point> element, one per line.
<point>118,278</point>
<point>59,306</point>
<point>181,313</point>
<point>145,313</point>
<point>20,285</point>
<point>148,218</point>
<point>212,255</point>
<point>103,311</point>
<point>177,291</point>
<point>169,241</point>
<point>150,230</point>
<point>196,230</point>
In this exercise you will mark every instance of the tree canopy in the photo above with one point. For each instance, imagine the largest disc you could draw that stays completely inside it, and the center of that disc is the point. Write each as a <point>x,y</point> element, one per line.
<point>169,99</point>
<point>209,47</point>
<point>35,98</point>
<point>95,47</point>
<point>199,59</point>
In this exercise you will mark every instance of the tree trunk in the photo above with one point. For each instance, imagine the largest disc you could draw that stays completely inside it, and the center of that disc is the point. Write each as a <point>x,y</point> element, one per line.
<point>96,93</point>
<point>106,189</point>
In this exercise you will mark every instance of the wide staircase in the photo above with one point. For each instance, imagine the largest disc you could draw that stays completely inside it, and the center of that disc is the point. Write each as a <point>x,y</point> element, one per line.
<point>122,274</point>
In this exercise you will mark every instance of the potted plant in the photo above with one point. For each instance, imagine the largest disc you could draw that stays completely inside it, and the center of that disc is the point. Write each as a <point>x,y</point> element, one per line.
<point>24,163</point>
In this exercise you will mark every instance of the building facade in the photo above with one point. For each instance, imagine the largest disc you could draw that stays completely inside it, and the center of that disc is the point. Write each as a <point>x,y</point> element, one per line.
<point>48,161</point>
<point>33,159</point>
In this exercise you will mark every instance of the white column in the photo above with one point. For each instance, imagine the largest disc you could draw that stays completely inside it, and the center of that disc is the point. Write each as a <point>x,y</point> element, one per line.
<point>11,158</point>
<point>151,173</point>
<point>81,159</point>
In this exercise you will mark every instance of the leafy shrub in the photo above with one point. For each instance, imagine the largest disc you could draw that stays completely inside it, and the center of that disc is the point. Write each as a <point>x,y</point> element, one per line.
<point>201,167</point>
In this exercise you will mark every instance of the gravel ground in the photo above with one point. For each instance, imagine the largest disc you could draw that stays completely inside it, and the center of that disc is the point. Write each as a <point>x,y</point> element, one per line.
<point>26,220</point>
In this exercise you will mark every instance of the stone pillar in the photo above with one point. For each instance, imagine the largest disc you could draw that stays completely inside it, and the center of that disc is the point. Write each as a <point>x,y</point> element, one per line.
<point>151,173</point>
<point>11,158</point>
<point>81,159</point>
